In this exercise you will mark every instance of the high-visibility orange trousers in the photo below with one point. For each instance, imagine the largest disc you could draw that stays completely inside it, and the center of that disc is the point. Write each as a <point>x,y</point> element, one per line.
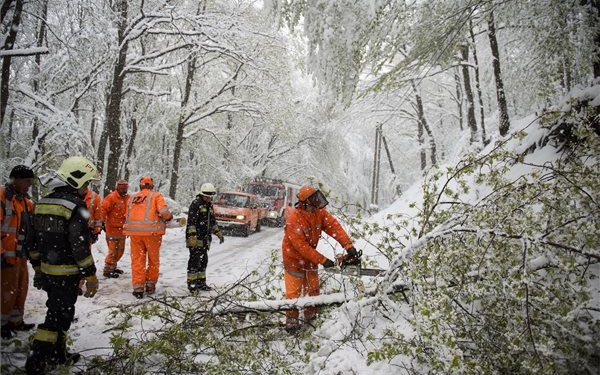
<point>145,262</point>
<point>298,284</point>
<point>15,284</point>
<point>116,248</point>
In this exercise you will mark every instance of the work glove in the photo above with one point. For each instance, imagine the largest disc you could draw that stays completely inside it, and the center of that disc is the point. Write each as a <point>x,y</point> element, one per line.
<point>37,280</point>
<point>352,253</point>
<point>221,239</point>
<point>5,264</point>
<point>191,241</point>
<point>91,286</point>
<point>328,264</point>
<point>94,238</point>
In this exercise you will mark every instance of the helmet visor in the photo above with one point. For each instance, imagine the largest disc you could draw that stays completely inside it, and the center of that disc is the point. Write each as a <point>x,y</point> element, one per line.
<point>317,200</point>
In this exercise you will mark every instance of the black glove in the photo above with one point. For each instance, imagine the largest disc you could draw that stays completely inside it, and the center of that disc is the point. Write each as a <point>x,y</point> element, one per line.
<point>37,280</point>
<point>328,264</point>
<point>94,237</point>
<point>221,239</point>
<point>352,253</point>
<point>5,264</point>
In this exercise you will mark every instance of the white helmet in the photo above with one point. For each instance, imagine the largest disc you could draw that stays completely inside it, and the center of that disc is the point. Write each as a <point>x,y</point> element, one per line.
<point>207,189</point>
<point>76,171</point>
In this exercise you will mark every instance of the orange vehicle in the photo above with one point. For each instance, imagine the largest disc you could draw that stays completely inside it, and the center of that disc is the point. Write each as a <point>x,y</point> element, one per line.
<point>275,196</point>
<point>238,212</point>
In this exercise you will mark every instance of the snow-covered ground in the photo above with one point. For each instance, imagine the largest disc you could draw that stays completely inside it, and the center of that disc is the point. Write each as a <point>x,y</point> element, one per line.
<point>228,263</point>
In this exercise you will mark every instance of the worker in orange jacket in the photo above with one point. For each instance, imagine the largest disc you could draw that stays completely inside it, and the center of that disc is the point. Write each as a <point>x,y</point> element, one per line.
<point>16,218</point>
<point>145,224</point>
<point>114,208</point>
<point>302,231</point>
<point>94,204</point>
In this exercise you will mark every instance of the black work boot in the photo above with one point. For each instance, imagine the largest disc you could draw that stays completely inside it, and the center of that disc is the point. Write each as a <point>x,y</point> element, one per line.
<point>7,333</point>
<point>40,361</point>
<point>193,288</point>
<point>23,326</point>
<point>138,294</point>
<point>111,275</point>
<point>61,355</point>
<point>202,285</point>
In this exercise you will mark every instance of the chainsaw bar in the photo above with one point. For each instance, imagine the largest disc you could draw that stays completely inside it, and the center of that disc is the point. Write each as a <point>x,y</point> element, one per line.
<point>355,271</point>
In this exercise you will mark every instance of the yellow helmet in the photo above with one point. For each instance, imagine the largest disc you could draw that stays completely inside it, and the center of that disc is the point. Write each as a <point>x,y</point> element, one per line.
<point>77,170</point>
<point>207,189</point>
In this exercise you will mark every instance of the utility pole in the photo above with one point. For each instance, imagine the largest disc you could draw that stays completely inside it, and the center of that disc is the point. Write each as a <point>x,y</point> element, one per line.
<point>376,166</point>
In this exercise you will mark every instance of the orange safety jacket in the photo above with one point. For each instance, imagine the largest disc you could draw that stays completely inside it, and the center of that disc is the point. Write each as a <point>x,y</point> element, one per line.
<point>92,202</point>
<point>301,236</point>
<point>16,219</point>
<point>147,214</point>
<point>114,209</point>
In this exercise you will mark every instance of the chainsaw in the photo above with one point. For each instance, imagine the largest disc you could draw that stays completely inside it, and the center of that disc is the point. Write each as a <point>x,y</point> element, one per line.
<point>352,266</point>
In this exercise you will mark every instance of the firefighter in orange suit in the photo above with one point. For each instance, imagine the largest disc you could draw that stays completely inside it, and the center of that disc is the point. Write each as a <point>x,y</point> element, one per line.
<point>145,224</point>
<point>16,217</point>
<point>300,257</point>
<point>114,208</point>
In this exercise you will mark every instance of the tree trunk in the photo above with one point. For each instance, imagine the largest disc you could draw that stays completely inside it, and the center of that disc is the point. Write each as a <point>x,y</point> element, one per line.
<point>420,126</point>
<point>113,120</point>
<point>459,100</point>
<point>595,13</point>
<point>502,107</point>
<point>472,122</point>
<point>8,45</point>
<point>41,37</point>
<point>189,80</point>
<point>129,153</point>
<point>478,85</point>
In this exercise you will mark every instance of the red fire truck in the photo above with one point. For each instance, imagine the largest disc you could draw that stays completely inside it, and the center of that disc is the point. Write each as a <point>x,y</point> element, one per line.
<point>275,195</point>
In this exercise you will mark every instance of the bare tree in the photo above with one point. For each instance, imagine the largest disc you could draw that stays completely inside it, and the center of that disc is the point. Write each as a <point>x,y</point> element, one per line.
<point>8,45</point>
<point>501,95</point>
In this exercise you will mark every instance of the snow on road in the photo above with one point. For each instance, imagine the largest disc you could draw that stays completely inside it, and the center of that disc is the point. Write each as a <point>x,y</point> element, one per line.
<point>228,262</point>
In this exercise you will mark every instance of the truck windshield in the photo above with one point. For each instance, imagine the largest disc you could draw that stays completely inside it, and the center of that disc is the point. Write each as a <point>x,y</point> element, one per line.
<point>232,200</point>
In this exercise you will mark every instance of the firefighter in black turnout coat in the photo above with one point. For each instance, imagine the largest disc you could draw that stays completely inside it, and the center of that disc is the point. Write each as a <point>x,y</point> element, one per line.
<point>201,224</point>
<point>60,255</point>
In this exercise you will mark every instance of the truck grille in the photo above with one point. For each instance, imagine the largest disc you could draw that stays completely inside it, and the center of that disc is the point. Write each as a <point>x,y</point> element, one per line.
<point>225,217</point>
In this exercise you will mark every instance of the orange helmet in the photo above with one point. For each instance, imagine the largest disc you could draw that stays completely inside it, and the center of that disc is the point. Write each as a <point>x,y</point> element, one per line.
<point>305,192</point>
<point>310,196</point>
<point>147,181</point>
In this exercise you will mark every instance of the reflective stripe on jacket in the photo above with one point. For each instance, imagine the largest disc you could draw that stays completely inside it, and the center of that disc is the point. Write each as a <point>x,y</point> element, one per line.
<point>15,222</point>
<point>301,235</point>
<point>147,214</point>
<point>92,202</point>
<point>114,209</point>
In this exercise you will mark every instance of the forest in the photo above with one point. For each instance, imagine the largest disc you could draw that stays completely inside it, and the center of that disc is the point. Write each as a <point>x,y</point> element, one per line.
<point>362,96</point>
<point>457,140</point>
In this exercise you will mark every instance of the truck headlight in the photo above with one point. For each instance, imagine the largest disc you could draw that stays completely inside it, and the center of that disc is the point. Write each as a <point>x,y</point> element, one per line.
<point>240,217</point>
